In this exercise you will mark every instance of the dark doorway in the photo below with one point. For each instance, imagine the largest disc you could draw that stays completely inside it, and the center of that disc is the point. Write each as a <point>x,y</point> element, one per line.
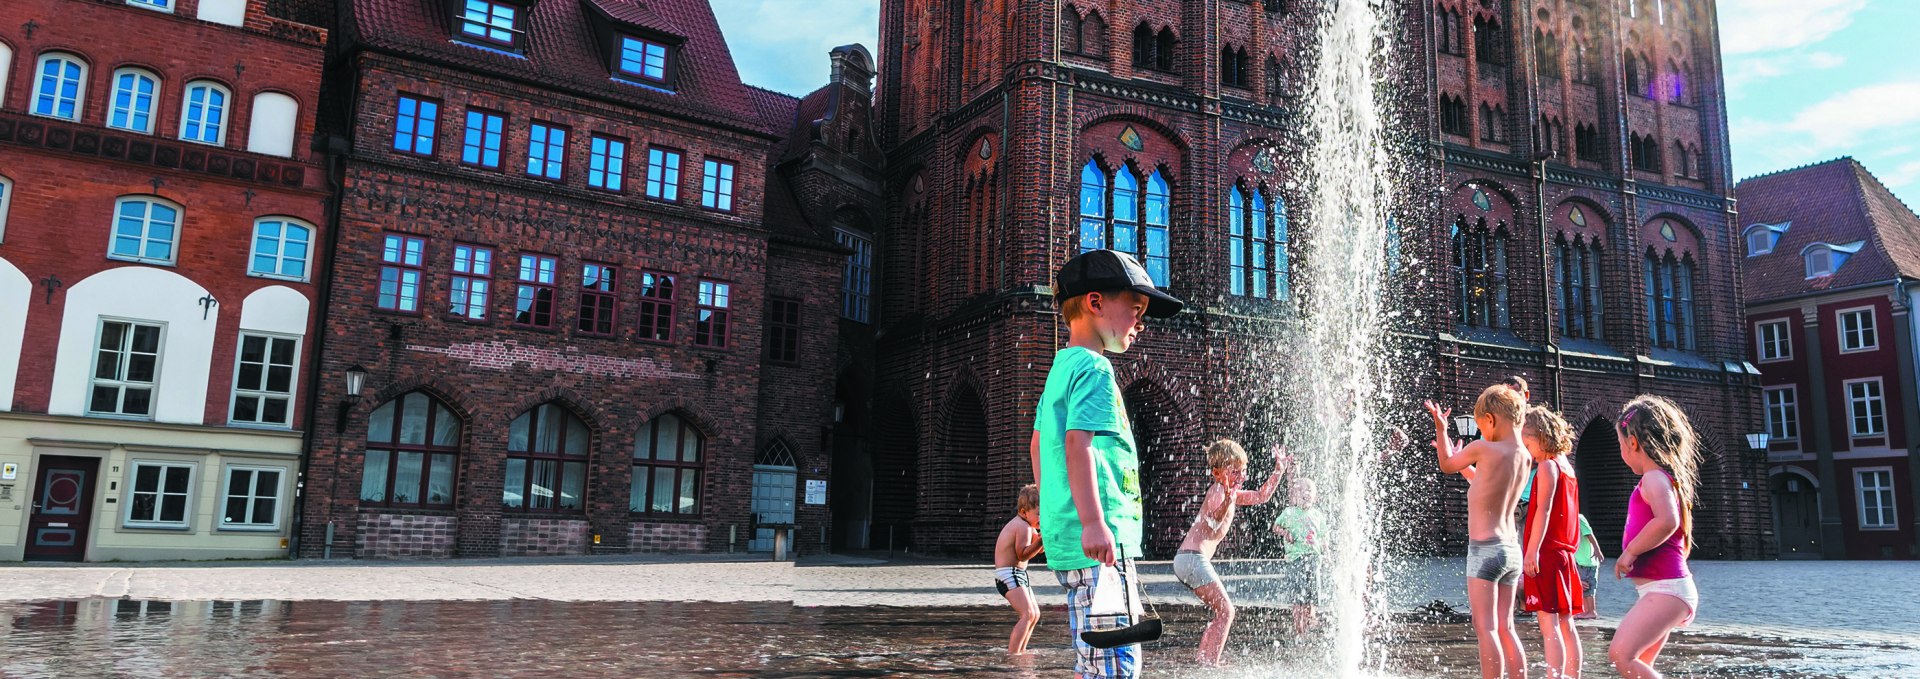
<point>973,519</point>
<point>1796,515</point>
<point>1160,440</point>
<point>62,512</point>
<point>850,491</point>
<point>896,476</point>
<point>1605,482</point>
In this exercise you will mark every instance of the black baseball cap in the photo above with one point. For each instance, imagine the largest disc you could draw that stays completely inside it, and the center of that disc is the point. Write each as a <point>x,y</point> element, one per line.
<point>1108,270</point>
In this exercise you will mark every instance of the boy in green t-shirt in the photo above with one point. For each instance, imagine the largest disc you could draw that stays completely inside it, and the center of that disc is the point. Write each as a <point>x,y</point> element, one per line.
<point>1587,561</point>
<point>1300,527</point>
<point>1083,451</point>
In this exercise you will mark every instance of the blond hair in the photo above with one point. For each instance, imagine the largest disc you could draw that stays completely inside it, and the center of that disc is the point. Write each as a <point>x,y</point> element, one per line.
<point>1225,452</point>
<point>1500,400</point>
<point>1668,438</point>
<point>1551,428</point>
<point>1075,308</point>
<point>1028,499</point>
<point>1519,384</point>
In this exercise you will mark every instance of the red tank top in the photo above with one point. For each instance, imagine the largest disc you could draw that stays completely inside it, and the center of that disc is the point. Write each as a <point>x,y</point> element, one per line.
<point>1563,518</point>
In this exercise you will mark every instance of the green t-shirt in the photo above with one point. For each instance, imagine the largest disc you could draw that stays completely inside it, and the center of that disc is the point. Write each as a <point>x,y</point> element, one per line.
<point>1081,394</point>
<point>1584,556</point>
<point>1306,528</point>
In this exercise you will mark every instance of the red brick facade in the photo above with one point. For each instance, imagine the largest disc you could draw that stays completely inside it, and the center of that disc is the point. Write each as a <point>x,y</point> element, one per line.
<point>1019,99</point>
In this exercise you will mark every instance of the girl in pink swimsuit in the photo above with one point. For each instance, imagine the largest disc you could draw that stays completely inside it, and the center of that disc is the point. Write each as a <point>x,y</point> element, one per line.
<point>1658,443</point>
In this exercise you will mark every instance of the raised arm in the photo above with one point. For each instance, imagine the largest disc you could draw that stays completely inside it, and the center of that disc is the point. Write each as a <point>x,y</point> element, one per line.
<point>1096,540</point>
<point>1453,460</point>
<point>1281,464</point>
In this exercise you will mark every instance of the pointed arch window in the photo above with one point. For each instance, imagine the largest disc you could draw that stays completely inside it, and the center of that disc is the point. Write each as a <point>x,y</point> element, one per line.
<point>1143,46</point>
<point>1093,35</point>
<point>1577,268</point>
<point>1163,50</point>
<point>546,461</point>
<point>1071,41</point>
<point>1668,280</point>
<point>1480,269</point>
<point>667,457</point>
<point>1488,42</point>
<point>413,449</point>
<point>1111,211</point>
<point>1257,261</point>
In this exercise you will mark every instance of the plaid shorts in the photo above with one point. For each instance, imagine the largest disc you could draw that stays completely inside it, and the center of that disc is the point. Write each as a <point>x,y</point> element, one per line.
<point>1089,662</point>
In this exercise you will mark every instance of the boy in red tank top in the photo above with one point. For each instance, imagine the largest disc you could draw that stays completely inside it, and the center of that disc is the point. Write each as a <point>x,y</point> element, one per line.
<point>1551,536</point>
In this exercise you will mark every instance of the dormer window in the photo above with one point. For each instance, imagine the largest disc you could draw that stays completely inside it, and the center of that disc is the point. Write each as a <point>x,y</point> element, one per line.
<point>1762,237</point>
<point>1825,258</point>
<point>647,60</point>
<point>496,23</point>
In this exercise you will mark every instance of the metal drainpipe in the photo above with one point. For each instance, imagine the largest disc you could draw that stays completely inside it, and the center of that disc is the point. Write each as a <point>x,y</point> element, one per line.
<point>1546,284</point>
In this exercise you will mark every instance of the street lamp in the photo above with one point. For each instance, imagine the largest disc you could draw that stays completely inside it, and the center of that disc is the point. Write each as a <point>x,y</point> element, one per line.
<point>356,380</point>
<point>1466,425</point>
<point>1758,441</point>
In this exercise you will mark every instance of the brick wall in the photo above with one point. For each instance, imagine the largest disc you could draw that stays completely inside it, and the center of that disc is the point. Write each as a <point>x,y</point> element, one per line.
<point>543,537</point>
<point>656,537</point>
<point>404,536</point>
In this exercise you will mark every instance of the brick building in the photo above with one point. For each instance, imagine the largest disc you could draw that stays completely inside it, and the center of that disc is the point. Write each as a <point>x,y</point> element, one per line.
<point>1017,135</point>
<point>1832,258</point>
<point>161,225</point>
<point>591,313</point>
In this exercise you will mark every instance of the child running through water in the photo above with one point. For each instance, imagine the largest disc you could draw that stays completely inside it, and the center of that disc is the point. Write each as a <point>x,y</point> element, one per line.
<point>1496,466</point>
<point>1551,584</point>
<point>1299,527</point>
<point>1019,542</point>
<point>1658,443</point>
<point>1193,563</point>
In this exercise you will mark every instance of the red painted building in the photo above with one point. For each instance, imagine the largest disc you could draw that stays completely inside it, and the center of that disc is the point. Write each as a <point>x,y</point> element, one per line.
<point>587,274</point>
<point>162,229</point>
<point>1832,263</point>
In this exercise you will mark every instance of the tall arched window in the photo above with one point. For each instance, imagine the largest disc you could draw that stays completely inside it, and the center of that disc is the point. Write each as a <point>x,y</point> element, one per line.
<point>1256,250</point>
<point>1488,41</point>
<point>1577,267</point>
<point>1143,46</point>
<point>145,229</point>
<point>1480,268</point>
<point>134,91</point>
<point>1163,50</point>
<point>546,461</point>
<point>272,128</point>
<point>413,449</point>
<point>61,86</point>
<point>203,116</point>
<point>1634,76</point>
<point>1093,35</point>
<point>1668,278</point>
<point>1111,206</point>
<point>667,455</point>
<point>1070,40</point>
<point>281,248</point>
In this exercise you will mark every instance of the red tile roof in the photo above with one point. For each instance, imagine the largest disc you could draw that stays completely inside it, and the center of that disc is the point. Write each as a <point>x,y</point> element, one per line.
<point>1834,202</point>
<point>562,51</point>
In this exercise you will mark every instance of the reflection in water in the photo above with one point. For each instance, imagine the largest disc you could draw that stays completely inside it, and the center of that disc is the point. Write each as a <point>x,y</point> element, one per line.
<point>131,638</point>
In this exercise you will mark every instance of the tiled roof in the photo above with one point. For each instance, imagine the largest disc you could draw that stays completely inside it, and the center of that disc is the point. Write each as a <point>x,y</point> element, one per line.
<point>1834,202</point>
<point>775,109</point>
<point>562,50</point>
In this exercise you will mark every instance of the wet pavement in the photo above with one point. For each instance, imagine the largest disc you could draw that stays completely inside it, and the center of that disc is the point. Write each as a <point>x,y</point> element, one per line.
<point>714,618</point>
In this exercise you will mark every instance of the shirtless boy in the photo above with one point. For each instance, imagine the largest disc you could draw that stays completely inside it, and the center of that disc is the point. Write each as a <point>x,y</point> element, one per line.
<point>1193,564</point>
<point>1496,467</point>
<point>1018,543</point>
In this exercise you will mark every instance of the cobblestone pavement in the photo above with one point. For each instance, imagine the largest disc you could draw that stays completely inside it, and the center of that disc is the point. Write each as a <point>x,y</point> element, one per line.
<point>1844,599</point>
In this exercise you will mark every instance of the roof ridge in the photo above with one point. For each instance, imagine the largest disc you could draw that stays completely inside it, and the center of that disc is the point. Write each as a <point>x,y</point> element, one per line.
<point>1789,170</point>
<point>1862,169</point>
<point>769,90</point>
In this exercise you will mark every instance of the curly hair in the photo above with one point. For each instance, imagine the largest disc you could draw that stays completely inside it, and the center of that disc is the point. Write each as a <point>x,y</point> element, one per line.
<point>1225,452</point>
<point>1551,428</point>
<point>1029,498</point>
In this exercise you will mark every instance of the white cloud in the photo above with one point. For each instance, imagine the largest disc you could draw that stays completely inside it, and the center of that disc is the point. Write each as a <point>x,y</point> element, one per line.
<point>1746,71</point>
<point>1847,117</point>
<point>782,44</point>
<point>1901,176</point>
<point>1755,26</point>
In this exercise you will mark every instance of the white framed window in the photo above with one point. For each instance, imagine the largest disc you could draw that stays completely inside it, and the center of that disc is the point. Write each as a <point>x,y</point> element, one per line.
<point>1783,413</point>
<point>1874,489</point>
<point>145,229</point>
<point>1761,238</point>
<point>134,91</point>
<point>6,200</point>
<point>856,281</point>
<point>162,5</point>
<point>1773,340</point>
<point>60,86</point>
<point>126,368</point>
<point>1866,407</point>
<point>250,497</point>
<point>493,22</point>
<point>6,66</point>
<point>716,186</point>
<point>263,380</point>
<point>203,115</point>
<point>1857,331</point>
<point>1819,261</point>
<point>159,494</point>
<point>281,247</point>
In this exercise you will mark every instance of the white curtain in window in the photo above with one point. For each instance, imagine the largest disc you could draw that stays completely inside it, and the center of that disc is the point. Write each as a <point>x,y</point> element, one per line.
<point>229,12</point>
<point>6,66</point>
<point>274,118</point>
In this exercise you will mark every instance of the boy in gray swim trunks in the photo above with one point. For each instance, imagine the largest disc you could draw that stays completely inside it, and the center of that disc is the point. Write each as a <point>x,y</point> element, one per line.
<point>1496,468</point>
<point>1193,564</point>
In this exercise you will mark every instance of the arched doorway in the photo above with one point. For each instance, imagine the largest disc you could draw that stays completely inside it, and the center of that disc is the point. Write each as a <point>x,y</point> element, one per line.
<point>896,475</point>
<point>1605,482</point>
<point>967,475</point>
<point>774,474</point>
<point>1796,514</point>
<point>1160,439</point>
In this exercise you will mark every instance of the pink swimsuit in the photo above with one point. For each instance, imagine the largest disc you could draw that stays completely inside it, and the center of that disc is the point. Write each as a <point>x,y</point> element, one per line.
<point>1665,562</point>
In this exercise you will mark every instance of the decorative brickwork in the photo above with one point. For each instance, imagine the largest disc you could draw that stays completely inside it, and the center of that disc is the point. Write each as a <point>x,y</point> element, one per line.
<point>656,537</point>
<point>544,537</point>
<point>404,536</point>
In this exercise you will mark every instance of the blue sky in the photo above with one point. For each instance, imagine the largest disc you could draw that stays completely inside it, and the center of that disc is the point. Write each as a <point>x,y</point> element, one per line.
<point>1807,80</point>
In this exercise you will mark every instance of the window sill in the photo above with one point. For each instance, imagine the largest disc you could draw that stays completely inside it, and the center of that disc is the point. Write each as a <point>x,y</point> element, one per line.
<point>216,144</point>
<point>1861,350</point>
<point>457,318</point>
<point>129,130</point>
<point>277,277</point>
<point>50,116</point>
<point>409,511</point>
<point>666,518</point>
<point>259,425</point>
<point>397,312</point>
<point>1782,359</point>
<point>246,529</point>
<point>1879,529</point>
<point>142,260</point>
<point>118,416</point>
<point>158,528</point>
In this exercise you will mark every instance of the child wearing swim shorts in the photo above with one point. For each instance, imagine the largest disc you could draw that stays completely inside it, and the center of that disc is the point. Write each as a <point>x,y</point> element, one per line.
<point>1019,542</point>
<point>1658,442</point>
<point>1496,468</point>
<point>1193,563</point>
